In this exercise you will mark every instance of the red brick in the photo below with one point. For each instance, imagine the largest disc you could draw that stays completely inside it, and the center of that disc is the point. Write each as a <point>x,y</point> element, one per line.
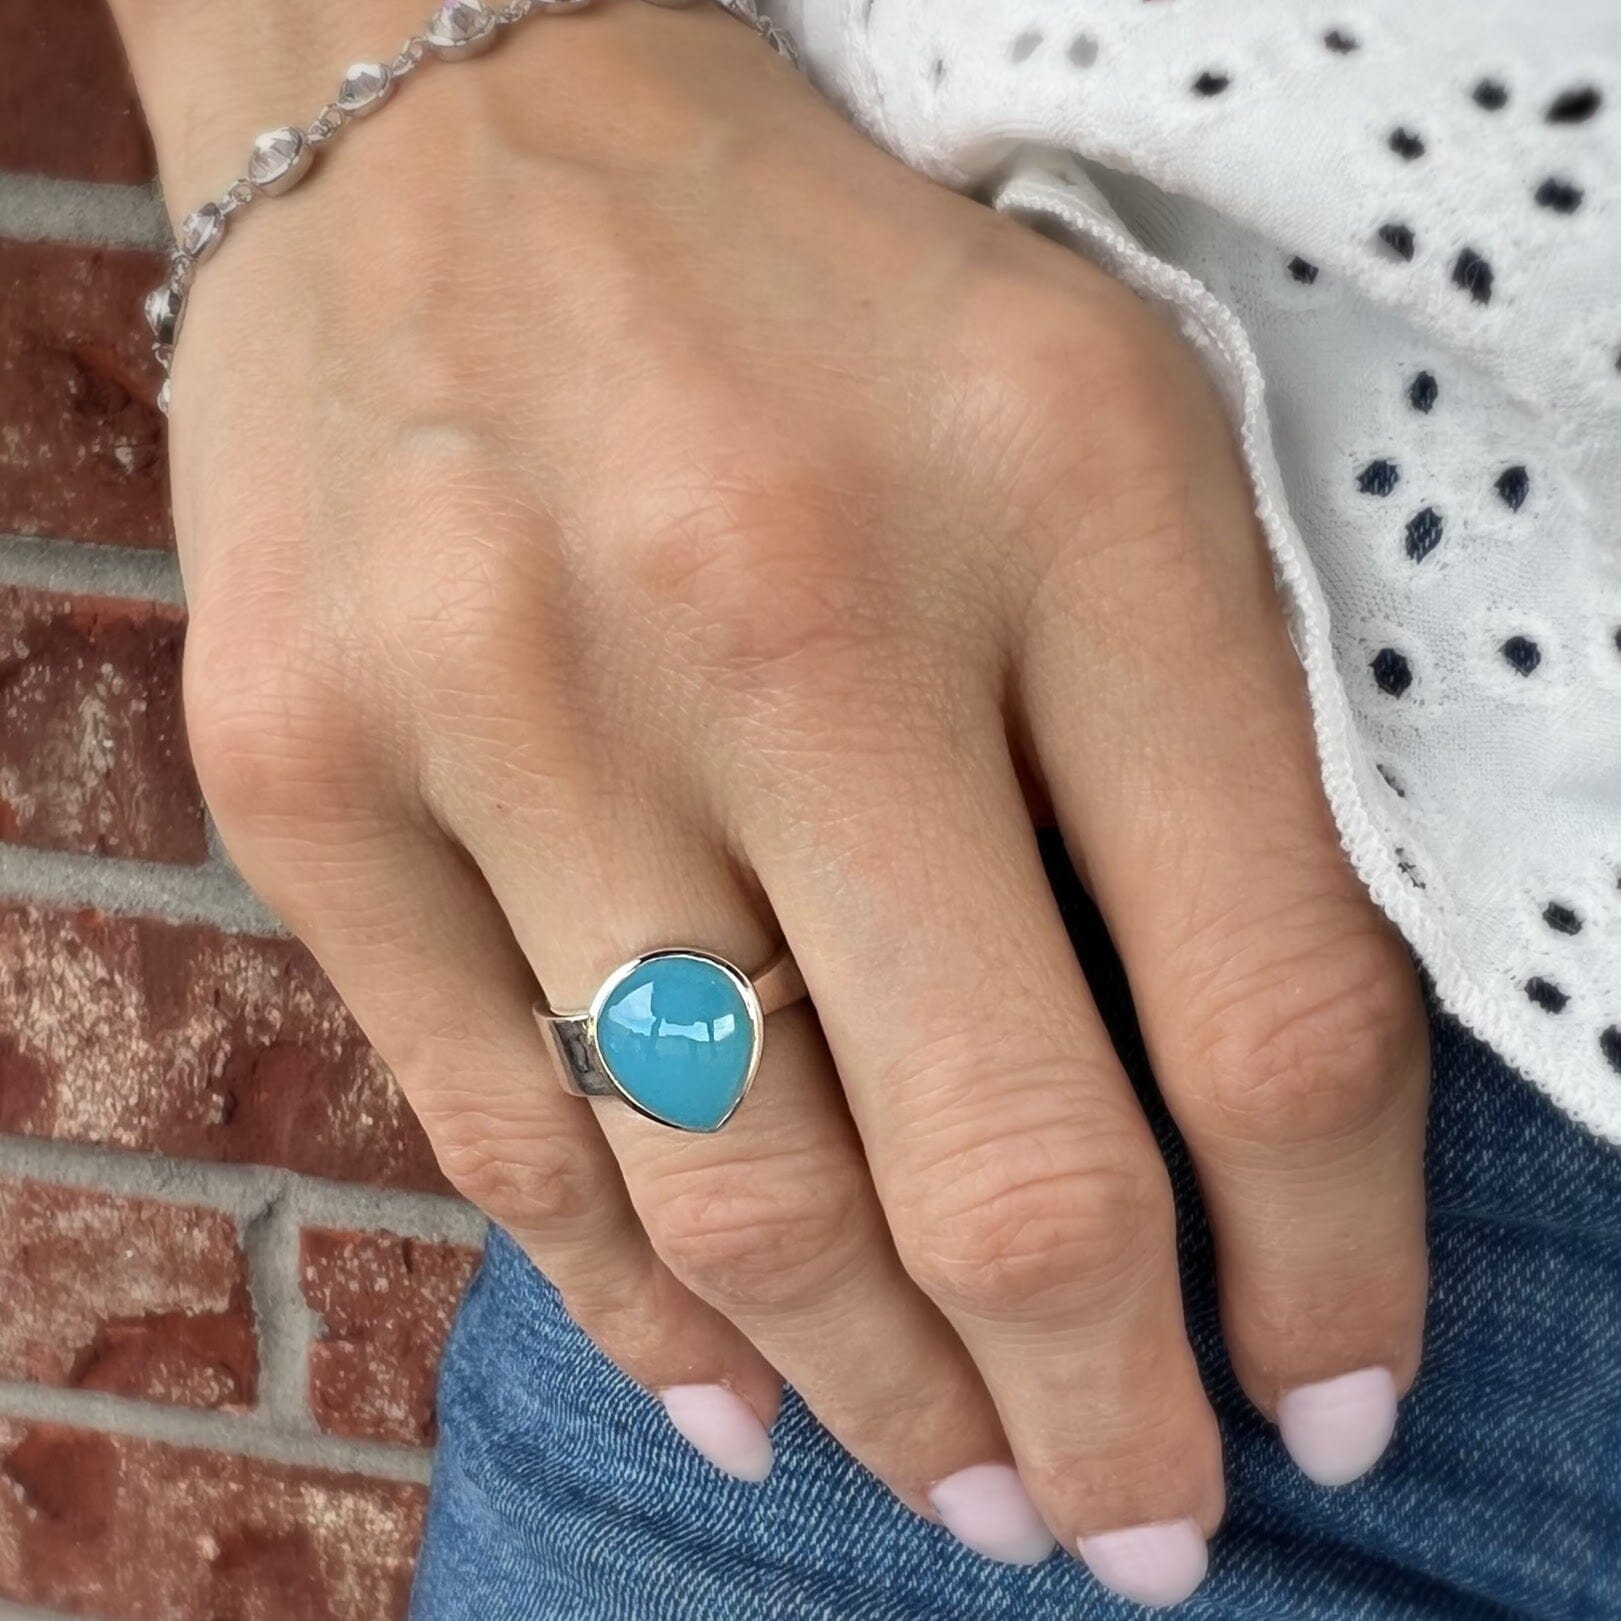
<point>93,752</point>
<point>106,1525</point>
<point>385,1305</point>
<point>185,1040</point>
<point>124,1295</point>
<point>67,105</point>
<point>83,452</point>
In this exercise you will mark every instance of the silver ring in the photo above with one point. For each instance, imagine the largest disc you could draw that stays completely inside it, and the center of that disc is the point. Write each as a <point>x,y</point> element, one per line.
<point>676,1034</point>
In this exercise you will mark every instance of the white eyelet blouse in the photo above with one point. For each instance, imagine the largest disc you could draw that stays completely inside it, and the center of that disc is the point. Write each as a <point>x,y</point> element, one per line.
<point>1393,228</point>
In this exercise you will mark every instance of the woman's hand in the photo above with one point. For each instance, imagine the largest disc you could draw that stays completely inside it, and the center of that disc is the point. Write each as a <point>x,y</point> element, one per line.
<point>620,507</point>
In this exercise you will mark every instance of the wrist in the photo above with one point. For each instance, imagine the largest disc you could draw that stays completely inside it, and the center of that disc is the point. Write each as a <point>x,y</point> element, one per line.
<point>213,76</point>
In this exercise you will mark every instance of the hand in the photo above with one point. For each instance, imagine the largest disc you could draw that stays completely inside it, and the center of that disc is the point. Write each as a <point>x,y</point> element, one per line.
<point>619,507</point>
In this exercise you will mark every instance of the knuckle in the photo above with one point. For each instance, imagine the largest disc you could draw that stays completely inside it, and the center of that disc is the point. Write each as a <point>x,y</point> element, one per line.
<point>1102,372</point>
<point>1062,365</point>
<point>267,729</point>
<point>1316,1044</point>
<point>1014,1228</point>
<point>751,571</point>
<point>758,1241</point>
<point>1095,422</point>
<point>531,1183</point>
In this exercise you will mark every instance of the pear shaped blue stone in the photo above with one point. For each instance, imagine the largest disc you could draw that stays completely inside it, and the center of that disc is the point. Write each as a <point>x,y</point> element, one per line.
<point>678,1038</point>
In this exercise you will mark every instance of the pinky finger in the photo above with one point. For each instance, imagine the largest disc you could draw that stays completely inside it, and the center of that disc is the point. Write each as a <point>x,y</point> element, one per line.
<point>418,949</point>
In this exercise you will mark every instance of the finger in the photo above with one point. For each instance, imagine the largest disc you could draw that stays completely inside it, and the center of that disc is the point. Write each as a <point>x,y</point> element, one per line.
<point>1020,1179</point>
<point>1281,1014</point>
<point>413,942</point>
<point>773,1219</point>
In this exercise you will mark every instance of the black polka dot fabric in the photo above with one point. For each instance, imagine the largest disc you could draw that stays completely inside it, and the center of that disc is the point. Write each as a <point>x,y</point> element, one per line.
<point>1513,486</point>
<point>1575,106</point>
<point>1391,672</point>
<point>1609,1044</point>
<point>1399,239</point>
<point>1546,994</point>
<point>1378,477</point>
<point>1523,654</point>
<point>1424,531</point>
<point>1473,273</point>
<point>1561,196</point>
<point>1561,918</point>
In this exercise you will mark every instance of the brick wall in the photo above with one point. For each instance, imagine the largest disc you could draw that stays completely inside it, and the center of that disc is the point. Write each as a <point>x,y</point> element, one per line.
<point>227,1260</point>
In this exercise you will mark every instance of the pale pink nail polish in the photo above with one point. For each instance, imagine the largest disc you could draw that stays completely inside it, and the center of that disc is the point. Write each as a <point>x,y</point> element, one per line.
<point>1149,1564</point>
<point>1338,1430</point>
<point>723,1427</point>
<point>986,1508</point>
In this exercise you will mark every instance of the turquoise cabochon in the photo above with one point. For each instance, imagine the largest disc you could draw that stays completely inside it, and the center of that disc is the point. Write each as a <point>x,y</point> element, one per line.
<point>678,1037</point>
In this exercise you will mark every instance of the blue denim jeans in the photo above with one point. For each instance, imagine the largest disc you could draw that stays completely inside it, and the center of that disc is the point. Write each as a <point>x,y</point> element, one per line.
<point>561,1493</point>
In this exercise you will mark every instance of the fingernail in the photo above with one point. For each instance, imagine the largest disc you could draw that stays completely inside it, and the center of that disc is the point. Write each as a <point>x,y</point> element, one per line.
<point>1339,1429</point>
<point>723,1427</point>
<point>1149,1564</point>
<point>986,1508</point>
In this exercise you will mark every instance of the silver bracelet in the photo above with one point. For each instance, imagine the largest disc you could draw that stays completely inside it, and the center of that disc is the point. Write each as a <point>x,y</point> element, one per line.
<point>280,158</point>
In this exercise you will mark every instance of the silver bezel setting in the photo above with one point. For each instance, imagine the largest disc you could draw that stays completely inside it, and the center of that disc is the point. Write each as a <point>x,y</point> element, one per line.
<point>274,171</point>
<point>366,86</point>
<point>453,46</point>
<point>751,1002</point>
<point>201,233</point>
<point>166,312</point>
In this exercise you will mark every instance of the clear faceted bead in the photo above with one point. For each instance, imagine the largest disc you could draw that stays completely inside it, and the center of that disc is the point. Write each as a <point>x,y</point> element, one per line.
<point>461,28</point>
<point>365,88</point>
<point>202,231</point>
<point>279,160</point>
<point>165,310</point>
<point>163,396</point>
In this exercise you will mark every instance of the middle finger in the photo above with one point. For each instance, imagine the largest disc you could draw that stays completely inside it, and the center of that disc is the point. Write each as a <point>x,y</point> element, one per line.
<point>1019,1177</point>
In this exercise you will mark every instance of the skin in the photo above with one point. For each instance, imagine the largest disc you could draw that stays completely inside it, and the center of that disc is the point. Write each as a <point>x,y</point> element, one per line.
<point>619,506</point>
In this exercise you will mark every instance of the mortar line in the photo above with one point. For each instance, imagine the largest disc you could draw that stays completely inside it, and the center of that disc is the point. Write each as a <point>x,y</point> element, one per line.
<point>244,1192</point>
<point>80,567</point>
<point>244,1435</point>
<point>210,892</point>
<point>37,208</point>
<point>287,1326</point>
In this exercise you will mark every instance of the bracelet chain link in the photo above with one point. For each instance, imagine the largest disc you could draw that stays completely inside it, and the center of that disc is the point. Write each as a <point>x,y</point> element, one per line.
<point>280,158</point>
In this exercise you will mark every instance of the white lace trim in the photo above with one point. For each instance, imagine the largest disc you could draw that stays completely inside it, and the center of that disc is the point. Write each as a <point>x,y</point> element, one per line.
<point>1422,350</point>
